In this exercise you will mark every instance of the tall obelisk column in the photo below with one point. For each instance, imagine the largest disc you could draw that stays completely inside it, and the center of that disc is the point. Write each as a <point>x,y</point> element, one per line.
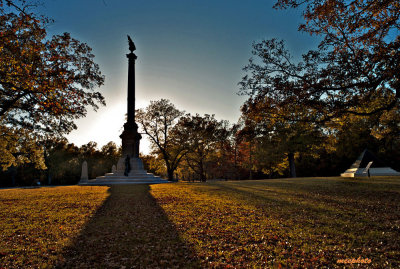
<point>130,136</point>
<point>129,168</point>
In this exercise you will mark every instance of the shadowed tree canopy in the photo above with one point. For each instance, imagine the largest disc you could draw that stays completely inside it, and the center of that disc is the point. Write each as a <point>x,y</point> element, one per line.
<point>18,146</point>
<point>204,135</point>
<point>158,121</point>
<point>355,69</point>
<point>278,140</point>
<point>46,82</point>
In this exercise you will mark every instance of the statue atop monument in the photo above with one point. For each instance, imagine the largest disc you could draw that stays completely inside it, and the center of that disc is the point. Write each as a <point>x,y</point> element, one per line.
<point>132,47</point>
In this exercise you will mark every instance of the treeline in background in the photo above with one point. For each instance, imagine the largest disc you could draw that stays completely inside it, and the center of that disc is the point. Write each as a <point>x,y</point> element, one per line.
<point>200,148</point>
<point>63,164</point>
<point>307,116</point>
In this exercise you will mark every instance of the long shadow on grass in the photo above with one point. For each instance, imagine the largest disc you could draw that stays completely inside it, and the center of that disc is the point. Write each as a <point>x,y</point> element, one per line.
<point>129,230</point>
<point>310,212</point>
<point>355,196</point>
<point>358,231</point>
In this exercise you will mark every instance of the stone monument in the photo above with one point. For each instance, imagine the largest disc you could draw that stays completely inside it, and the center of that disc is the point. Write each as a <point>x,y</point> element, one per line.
<point>129,169</point>
<point>84,174</point>
<point>130,136</point>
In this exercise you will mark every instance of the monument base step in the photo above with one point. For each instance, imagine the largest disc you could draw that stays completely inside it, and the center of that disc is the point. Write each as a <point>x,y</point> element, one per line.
<point>122,180</point>
<point>119,182</point>
<point>137,175</point>
<point>134,177</point>
<point>130,176</point>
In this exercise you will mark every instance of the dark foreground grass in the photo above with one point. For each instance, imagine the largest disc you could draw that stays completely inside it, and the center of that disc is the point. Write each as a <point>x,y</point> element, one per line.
<point>305,223</point>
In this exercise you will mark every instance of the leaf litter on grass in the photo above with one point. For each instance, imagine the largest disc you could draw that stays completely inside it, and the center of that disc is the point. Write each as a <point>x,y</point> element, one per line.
<point>287,222</point>
<point>303,223</point>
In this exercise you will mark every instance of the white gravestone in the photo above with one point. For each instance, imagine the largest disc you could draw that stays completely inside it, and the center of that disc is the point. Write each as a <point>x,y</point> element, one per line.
<point>84,175</point>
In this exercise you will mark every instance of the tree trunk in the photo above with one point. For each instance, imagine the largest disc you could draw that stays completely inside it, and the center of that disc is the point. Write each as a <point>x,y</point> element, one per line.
<point>203,176</point>
<point>13,171</point>
<point>48,178</point>
<point>170,173</point>
<point>251,161</point>
<point>292,167</point>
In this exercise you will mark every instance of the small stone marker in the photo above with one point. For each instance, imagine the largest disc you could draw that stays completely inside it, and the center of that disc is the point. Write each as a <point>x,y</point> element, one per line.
<point>84,175</point>
<point>113,169</point>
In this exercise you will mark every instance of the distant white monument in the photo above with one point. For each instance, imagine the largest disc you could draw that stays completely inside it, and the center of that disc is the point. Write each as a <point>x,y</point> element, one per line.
<point>367,164</point>
<point>84,174</point>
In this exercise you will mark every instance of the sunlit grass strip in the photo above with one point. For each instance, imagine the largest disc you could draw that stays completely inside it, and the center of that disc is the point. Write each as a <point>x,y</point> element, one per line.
<point>37,224</point>
<point>288,222</point>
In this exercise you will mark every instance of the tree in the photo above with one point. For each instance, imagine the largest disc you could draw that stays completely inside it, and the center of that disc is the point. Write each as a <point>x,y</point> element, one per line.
<point>154,164</point>
<point>246,136</point>
<point>158,121</point>
<point>279,134</point>
<point>354,71</point>
<point>224,159</point>
<point>18,146</point>
<point>378,133</point>
<point>46,82</point>
<point>63,162</point>
<point>110,154</point>
<point>387,131</point>
<point>234,143</point>
<point>205,137</point>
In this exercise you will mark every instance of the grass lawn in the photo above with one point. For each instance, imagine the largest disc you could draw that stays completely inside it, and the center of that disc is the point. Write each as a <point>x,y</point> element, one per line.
<point>310,222</point>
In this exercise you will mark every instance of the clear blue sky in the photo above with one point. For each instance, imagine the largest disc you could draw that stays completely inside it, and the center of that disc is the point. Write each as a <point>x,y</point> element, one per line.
<point>189,51</point>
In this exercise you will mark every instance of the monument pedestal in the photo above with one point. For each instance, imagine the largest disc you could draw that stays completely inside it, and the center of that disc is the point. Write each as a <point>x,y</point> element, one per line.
<point>137,175</point>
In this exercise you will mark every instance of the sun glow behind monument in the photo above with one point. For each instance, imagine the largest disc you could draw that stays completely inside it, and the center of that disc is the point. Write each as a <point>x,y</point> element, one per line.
<point>191,52</point>
<point>108,125</point>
